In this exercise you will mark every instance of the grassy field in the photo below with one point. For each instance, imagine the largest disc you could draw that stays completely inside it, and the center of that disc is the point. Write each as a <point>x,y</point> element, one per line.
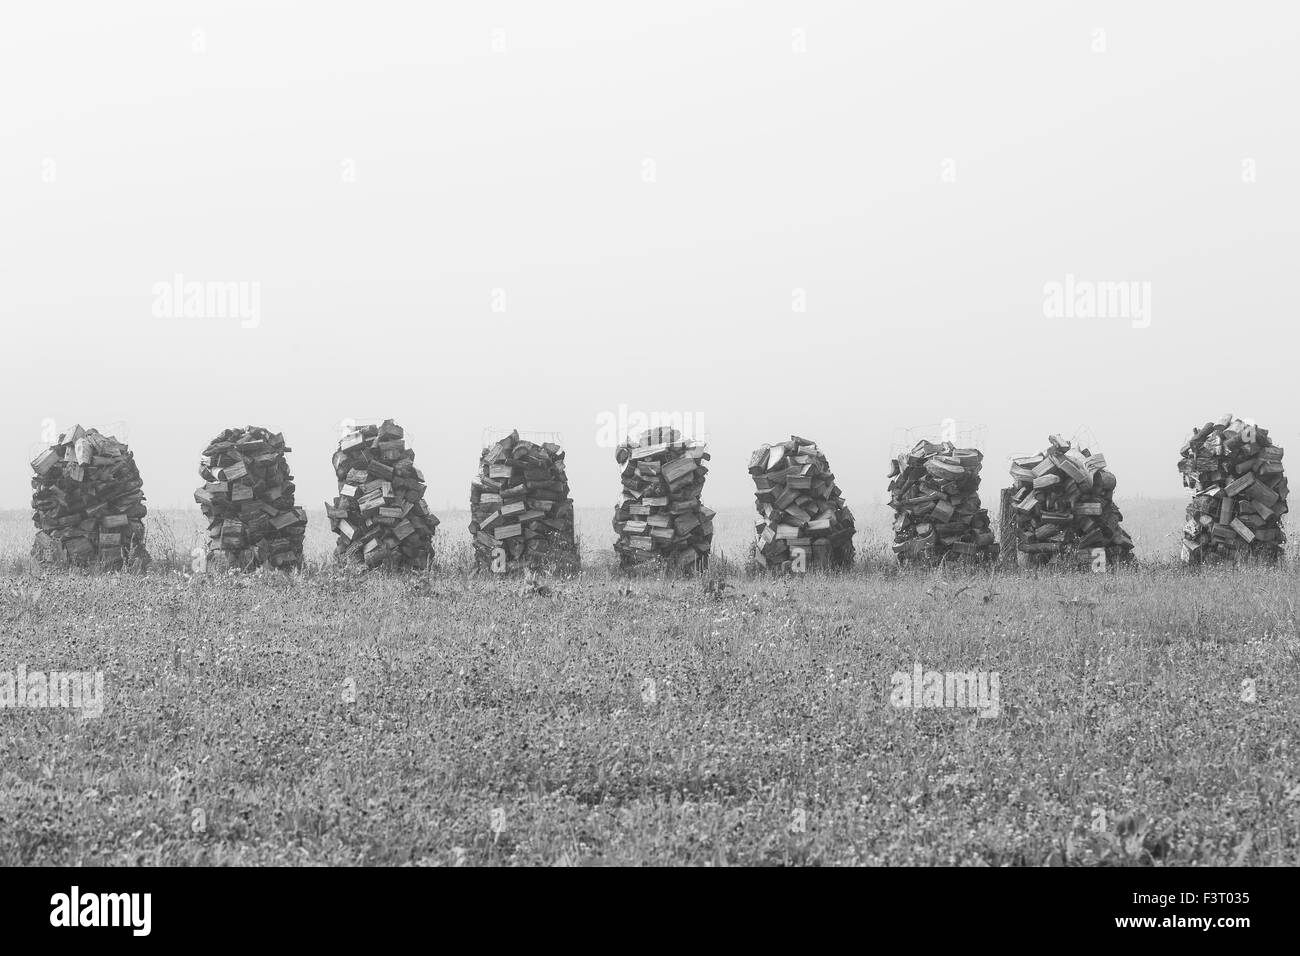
<point>330,717</point>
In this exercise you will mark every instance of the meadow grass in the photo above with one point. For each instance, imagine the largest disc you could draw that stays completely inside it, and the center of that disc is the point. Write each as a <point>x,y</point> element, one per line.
<point>337,717</point>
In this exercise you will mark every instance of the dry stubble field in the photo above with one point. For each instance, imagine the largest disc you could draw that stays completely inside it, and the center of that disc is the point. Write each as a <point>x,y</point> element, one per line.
<point>510,723</point>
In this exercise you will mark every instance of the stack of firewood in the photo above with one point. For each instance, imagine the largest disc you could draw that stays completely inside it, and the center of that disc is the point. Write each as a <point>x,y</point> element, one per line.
<point>1239,493</point>
<point>934,491</point>
<point>88,503</point>
<point>380,516</point>
<point>1062,508</point>
<point>660,519</point>
<point>802,509</point>
<point>521,512</point>
<point>248,499</point>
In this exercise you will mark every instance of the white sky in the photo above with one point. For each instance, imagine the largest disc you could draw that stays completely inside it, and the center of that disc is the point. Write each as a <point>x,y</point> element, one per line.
<point>126,157</point>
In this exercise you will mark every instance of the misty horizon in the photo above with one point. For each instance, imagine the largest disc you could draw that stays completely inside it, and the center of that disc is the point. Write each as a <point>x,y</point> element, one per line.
<point>787,220</point>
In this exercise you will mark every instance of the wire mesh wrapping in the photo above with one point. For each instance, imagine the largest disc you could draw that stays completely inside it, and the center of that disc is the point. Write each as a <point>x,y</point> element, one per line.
<point>520,510</point>
<point>934,491</point>
<point>248,498</point>
<point>803,518</point>
<point>380,515</point>
<point>1239,493</point>
<point>660,518</point>
<point>88,502</point>
<point>1063,509</point>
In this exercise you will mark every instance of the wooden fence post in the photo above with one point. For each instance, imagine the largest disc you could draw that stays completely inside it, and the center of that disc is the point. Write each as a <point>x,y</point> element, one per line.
<point>1006,529</point>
